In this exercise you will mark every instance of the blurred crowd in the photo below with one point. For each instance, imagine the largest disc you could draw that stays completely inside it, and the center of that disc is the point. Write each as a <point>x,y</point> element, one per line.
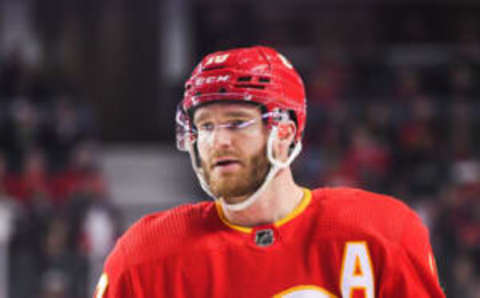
<point>55,213</point>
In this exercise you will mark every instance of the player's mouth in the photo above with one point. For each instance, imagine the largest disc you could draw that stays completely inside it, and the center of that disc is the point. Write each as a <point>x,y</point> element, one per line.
<point>226,164</point>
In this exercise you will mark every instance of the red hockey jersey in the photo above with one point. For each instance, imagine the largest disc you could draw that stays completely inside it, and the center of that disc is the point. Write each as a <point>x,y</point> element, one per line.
<point>338,242</point>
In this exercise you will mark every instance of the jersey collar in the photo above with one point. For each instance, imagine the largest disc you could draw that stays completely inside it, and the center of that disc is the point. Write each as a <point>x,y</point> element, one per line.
<point>307,197</point>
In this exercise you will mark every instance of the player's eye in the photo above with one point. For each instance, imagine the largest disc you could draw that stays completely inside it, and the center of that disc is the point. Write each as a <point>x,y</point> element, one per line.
<point>238,124</point>
<point>206,126</point>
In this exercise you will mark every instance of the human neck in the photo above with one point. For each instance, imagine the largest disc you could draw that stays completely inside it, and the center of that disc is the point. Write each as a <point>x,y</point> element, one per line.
<point>279,199</point>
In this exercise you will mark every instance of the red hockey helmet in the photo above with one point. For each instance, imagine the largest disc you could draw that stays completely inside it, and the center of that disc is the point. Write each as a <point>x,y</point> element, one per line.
<point>257,74</point>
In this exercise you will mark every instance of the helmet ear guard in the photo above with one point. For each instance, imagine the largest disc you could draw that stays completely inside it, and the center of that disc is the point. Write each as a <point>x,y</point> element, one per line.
<point>283,125</point>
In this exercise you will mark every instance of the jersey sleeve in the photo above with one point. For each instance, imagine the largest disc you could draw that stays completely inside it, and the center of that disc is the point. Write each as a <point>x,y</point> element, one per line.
<point>114,281</point>
<point>411,269</point>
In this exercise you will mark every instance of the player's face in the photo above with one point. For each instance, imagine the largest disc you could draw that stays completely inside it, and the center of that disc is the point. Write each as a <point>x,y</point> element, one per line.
<point>232,148</point>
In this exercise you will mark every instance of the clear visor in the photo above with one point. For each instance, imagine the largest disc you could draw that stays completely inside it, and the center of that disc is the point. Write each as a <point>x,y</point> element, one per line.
<point>187,133</point>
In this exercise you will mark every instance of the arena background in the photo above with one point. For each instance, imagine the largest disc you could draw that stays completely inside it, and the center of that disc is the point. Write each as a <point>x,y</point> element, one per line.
<point>88,91</point>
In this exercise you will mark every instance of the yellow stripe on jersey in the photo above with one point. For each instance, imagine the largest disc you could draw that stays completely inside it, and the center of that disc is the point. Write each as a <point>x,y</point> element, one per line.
<point>307,197</point>
<point>225,221</point>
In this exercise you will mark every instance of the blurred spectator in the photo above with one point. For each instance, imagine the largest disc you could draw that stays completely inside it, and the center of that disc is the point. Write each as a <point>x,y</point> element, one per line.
<point>466,213</point>
<point>80,173</point>
<point>328,82</point>
<point>93,218</point>
<point>462,80</point>
<point>13,74</point>
<point>9,209</point>
<point>421,152</point>
<point>21,133</point>
<point>366,161</point>
<point>468,38</point>
<point>32,182</point>
<point>474,288</point>
<point>54,284</point>
<point>64,271</point>
<point>26,246</point>
<point>379,121</point>
<point>414,29</point>
<point>408,83</point>
<point>64,130</point>
<point>464,273</point>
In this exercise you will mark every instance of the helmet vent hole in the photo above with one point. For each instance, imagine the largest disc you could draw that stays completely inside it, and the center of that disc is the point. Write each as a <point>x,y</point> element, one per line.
<point>213,67</point>
<point>244,79</point>
<point>249,86</point>
<point>264,80</point>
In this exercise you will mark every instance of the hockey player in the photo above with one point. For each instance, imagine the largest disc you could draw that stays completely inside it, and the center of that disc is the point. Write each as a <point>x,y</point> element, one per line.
<point>241,120</point>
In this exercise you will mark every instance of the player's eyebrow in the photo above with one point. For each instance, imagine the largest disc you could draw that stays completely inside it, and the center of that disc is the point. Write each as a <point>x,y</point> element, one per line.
<point>237,114</point>
<point>202,116</point>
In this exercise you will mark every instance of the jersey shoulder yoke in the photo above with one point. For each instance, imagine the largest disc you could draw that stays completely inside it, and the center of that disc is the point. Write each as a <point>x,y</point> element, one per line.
<point>355,211</point>
<point>163,233</point>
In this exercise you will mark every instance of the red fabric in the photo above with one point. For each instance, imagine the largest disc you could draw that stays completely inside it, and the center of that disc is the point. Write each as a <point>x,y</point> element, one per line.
<point>190,252</point>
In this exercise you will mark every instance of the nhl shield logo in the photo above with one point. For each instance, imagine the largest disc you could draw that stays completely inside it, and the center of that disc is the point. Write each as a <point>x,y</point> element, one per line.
<point>264,237</point>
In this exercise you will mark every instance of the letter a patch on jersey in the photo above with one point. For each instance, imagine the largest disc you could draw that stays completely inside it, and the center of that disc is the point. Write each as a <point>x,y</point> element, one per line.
<point>357,272</point>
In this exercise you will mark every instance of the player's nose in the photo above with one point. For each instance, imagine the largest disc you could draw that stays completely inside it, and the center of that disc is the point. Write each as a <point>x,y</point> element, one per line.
<point>221,138</point>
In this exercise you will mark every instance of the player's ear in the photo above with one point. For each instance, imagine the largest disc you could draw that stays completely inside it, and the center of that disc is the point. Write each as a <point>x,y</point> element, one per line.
<point>285,136</point>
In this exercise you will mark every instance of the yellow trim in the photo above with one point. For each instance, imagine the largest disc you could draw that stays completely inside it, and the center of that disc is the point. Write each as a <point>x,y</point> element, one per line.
<point>307,198</point>
<point>102,286</point>
<point>304,287</point>
<point>225,221</point>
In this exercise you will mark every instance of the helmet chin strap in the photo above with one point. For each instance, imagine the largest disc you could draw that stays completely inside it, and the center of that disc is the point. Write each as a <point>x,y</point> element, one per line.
<point>198,170</point>
<point>276,166</point>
